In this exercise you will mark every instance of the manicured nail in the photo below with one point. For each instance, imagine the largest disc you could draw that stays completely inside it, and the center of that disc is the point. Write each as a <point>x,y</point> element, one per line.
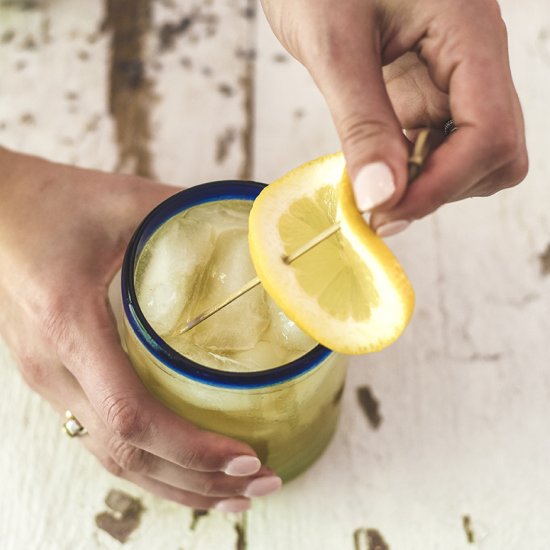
<point>373,185</point>
<point>243,466</point>
<point>233,505</point>
<point>392,228</point>
<point>263,486</point>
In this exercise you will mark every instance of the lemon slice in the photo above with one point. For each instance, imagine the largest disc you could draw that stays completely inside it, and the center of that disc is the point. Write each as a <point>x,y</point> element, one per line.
<point>349,292</point>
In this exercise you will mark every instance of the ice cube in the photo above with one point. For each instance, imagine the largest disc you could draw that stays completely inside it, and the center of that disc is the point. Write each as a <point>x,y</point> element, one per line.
<point>265,355</point>
<point>231,214</point>
<point>240,325</point>
<point>170,266</point>
<point>286,332</point>
<point>186,347</point>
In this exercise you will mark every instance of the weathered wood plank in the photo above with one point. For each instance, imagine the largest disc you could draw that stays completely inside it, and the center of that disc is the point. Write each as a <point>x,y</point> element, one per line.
<point>293,124</point>
<point>130,87</point>
<point>199,59</point>
<point>53,99</point>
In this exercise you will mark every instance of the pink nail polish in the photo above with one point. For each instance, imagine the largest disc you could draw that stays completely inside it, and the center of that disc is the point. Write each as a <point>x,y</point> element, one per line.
<point>243,466</point>
<point>392,228</point>
<point>233,505</point>
<point>373,186</point>
<point>263,486</point>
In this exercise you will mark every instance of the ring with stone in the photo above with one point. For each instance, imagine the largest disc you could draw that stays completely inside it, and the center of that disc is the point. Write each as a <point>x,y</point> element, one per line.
<point>449,127</point>
<point>72,427</point>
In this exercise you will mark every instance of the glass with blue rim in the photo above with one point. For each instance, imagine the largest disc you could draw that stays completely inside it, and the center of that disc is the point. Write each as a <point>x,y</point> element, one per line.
<point>288,414</point>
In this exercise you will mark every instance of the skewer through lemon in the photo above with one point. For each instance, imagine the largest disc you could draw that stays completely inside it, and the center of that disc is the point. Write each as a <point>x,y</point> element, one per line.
<point>349,292</point>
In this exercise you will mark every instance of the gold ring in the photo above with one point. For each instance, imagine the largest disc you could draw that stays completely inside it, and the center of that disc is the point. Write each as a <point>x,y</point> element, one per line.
<point>72,427</point>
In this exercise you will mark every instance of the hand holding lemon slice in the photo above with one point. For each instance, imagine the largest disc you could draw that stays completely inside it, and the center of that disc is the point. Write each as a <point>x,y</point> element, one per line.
<point>348,292</point>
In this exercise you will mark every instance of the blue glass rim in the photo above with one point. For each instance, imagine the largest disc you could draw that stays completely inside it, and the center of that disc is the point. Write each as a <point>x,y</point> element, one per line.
<point>170,358</point>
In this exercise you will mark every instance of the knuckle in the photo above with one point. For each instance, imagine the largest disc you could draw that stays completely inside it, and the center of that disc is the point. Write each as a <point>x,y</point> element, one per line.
<point>520,167</point>
<point>366,139</point>
<point>125,418</point>
<point>513,163</point>
<point>34,372</point>
<point>111,466</point>
<point>506,145</point>
<point>128,457</point>
<point>53,316</point>
<point>356,129</point>
<point>485,192</point>
<point>211,487</point>
<point>218,485</point>
<point>203,451</point>
<point>55,322</point>
<point>194,502</point>
<point>190,457</point>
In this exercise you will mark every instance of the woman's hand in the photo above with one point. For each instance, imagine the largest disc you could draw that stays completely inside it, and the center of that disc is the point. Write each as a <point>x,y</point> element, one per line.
<point>63,232</point>
<point>443,59</point>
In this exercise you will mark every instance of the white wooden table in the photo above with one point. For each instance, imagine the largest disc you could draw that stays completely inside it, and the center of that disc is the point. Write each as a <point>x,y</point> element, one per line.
<point>451,448</point>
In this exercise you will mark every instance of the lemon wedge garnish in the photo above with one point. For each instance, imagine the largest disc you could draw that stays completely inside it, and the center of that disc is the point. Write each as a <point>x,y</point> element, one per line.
<point>349,292</point>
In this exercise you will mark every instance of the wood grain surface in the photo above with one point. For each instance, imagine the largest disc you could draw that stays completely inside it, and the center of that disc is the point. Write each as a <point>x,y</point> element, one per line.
<point>443,443</point>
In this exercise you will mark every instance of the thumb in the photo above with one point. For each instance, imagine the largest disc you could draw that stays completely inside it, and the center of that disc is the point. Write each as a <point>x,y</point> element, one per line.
<point>351,81</point>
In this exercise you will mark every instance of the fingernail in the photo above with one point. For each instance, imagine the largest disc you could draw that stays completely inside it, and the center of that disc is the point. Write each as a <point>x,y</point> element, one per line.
<point>373,185</point>
<point>392,228</point>
<point>233,505</point>
<point>263,486</point>
<point>243,466</point>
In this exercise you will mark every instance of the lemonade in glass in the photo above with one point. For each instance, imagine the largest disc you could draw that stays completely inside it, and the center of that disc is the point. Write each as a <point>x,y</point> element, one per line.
<point>248,371</point>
